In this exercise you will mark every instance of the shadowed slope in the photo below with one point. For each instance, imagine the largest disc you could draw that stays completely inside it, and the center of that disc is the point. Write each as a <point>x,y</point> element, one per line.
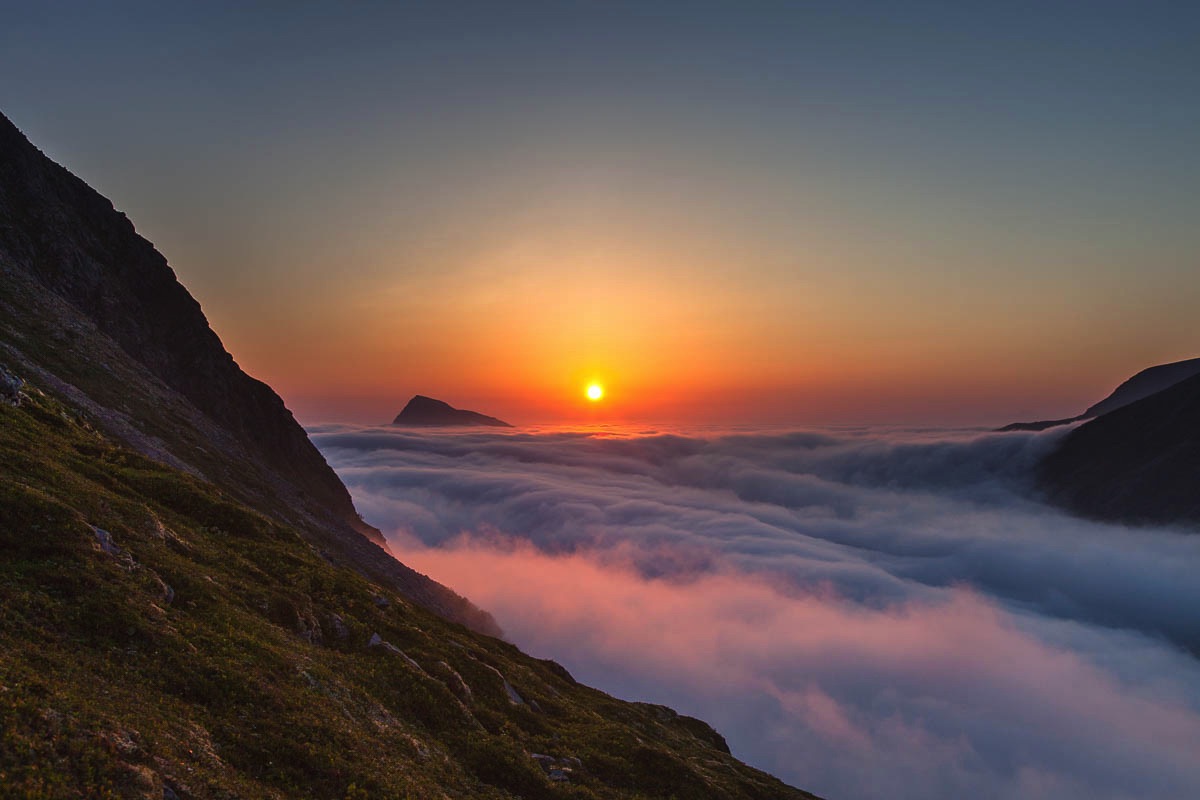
<point>1139,463</point>
<point>93,311</point>
<point>65,235</point>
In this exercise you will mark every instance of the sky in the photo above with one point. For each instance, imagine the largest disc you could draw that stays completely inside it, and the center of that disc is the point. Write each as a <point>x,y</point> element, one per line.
<point>866,612</point>
<point>756,212</point>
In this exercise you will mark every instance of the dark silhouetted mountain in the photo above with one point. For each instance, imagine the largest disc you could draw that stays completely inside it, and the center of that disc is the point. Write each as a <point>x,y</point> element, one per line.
<point>426,411</point>
<point>1143,384</point>
<point>1040,425</point>
<point>192,607</point>
<point>1139,463</point>
<point>91,307</point>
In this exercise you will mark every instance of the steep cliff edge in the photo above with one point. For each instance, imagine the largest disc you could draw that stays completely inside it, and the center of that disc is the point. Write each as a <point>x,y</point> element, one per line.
<point>71,240</point>
<point>93,310</point>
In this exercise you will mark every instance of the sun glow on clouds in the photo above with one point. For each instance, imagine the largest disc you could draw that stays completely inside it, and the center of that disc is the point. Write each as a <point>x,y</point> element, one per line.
<point>855,701</point>
<point>865,614</point>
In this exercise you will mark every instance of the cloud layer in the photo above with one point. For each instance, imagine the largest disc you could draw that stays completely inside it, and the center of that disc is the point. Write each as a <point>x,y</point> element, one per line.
<point>865,613</point>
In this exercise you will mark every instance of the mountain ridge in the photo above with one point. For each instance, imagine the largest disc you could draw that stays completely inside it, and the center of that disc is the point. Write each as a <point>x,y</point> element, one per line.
<point>1145,383</point>
<point>1140,385</point>
<point>93,310</point>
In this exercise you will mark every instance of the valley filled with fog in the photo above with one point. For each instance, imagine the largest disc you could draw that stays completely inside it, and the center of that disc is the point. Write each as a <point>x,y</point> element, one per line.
<point>863,612</point>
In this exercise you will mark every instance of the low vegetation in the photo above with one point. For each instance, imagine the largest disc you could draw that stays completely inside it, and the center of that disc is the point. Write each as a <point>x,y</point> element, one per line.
<point>160,639</point>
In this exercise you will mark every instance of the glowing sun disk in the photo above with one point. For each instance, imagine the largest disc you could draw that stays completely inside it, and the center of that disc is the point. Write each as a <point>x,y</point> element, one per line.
<point>594,392</point>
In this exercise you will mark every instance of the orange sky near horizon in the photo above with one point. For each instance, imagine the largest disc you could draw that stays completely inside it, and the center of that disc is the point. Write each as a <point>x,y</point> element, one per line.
<point>800,214</point>
<point>520,330</point>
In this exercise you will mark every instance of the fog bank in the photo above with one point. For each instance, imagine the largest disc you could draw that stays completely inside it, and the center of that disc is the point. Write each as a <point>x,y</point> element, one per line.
<point>865,613</point>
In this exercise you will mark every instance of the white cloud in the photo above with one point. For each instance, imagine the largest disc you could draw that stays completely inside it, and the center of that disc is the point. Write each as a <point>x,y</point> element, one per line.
<point>864,613</point>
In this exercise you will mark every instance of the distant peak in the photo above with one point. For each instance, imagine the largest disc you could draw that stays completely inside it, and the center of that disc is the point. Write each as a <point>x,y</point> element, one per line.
<point>420,401</point>
<point>431,412</point>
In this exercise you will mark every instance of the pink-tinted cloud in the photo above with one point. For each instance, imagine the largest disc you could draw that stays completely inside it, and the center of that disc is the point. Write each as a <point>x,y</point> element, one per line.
<point>864,613</point>
<point>850,700</point>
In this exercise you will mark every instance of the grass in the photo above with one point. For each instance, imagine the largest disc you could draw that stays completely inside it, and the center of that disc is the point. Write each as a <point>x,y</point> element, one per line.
<point>216,652</point>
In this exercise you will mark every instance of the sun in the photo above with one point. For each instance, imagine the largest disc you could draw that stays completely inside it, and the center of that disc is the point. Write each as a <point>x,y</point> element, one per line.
<point>594,392</point>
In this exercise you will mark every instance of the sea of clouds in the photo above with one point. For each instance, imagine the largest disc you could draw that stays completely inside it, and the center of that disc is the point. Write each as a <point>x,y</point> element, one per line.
<point>863,612</point>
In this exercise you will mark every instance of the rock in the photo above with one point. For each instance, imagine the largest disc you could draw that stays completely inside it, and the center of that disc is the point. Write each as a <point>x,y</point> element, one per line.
<point>455,683</point>
<point>309,627</point>
<point>294,613</point>
<point>556,768</point>
<point>165,592</point>
<point>377,642</point>
<point>381,602</point>
<point>410,661</point>
<point>338,627</point>
<point>10,387</point>
<point>558,670</point>
<point>425,411</point>
<point>514,696</point>
<point>105,542</point>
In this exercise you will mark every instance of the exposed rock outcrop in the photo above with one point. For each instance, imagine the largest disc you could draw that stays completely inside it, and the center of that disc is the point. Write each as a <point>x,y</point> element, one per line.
<point>10,387</point>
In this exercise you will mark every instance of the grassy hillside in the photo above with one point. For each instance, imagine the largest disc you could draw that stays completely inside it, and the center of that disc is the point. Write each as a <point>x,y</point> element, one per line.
<point>162,639</point>
<point>51,343</point>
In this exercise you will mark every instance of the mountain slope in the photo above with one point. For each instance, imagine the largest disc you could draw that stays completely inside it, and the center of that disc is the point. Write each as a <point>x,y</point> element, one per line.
<point>1139,463</point>
<point>92,311</point>
<point>191,609</point>
<point>161,639</point>
<point>71,240</point>
<point>426,411</point>
<point>1143,384</point>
